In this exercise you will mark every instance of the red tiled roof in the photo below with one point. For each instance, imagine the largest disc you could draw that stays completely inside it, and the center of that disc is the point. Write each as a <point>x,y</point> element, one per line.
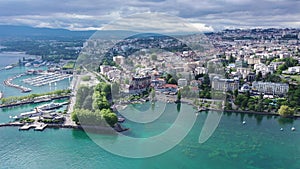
<point>170,86</point>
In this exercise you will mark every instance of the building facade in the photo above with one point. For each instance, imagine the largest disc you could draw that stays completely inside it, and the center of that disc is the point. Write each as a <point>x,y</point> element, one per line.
<point>225,84</point>
<point>270,88</point>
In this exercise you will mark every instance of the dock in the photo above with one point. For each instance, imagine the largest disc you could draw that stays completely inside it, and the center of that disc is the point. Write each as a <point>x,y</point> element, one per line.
<point>46,78</point>
<point>41,127</point>
<point>36,126</point>
<point>27,127</point>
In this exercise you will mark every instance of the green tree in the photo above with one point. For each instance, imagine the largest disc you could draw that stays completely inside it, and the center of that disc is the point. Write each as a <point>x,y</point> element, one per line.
<point>179,95</point>
<point>285,111</point>
<point>110,117</point>
<point>154,57</point>
<point>258,76</point>
<point>236,92</point>
<point>172,81</point>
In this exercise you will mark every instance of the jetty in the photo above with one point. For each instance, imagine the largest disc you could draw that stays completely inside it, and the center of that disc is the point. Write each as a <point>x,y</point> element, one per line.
<point>41,127</point>
<point>8,82</point>
<point>46,78</point>
<point>33,101</point>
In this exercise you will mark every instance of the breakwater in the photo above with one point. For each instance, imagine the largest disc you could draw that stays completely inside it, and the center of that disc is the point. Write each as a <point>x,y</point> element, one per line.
<point>33,101</point>
<point>8,82</point>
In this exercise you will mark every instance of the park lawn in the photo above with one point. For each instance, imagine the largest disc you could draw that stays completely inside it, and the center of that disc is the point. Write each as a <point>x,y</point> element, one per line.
<point>69,65</point>
<point>296,77</point>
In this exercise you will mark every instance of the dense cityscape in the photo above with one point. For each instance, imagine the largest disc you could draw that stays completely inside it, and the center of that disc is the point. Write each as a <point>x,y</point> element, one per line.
<point>243,71</point>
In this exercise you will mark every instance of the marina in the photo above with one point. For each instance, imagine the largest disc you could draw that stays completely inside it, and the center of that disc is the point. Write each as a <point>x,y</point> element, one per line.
<point>46,79</point>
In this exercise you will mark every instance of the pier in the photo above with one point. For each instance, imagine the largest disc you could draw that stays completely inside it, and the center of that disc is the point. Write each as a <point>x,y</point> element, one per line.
<point>45,79</point>
<point>34,101</point>
<point>8,82</point>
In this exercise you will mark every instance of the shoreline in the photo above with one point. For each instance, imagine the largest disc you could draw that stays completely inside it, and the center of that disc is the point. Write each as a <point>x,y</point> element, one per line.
<point>68,126</point>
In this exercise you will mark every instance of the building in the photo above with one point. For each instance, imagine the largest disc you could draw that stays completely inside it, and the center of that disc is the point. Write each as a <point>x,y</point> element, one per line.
<point>105,68</point>
<point>182,82</point>
<point>138,84</point>
<point>244,72</point>
<point>275,65</point>
<point>120,60</point>
<point>295,69</point>
<point>252,61</point>
<point>270,88</point>
<point>251,77</point>
<point>240,63</point>
<point>201,70</point>
<point>245,88</point>
<point>263,69</point>
<point>225,84</point>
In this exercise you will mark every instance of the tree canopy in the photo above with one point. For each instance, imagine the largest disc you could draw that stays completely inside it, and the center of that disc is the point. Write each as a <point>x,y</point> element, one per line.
<point>285,111</point>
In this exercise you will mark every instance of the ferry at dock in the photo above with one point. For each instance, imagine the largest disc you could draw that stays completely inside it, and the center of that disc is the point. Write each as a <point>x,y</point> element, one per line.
<point>50,106</point>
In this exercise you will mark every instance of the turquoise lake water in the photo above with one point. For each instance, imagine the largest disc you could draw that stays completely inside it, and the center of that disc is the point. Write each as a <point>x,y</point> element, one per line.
<point>7,59</point>
<point>257,145</point>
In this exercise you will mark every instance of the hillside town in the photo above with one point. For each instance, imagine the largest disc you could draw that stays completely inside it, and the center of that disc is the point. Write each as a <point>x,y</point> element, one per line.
<point>260,68</point>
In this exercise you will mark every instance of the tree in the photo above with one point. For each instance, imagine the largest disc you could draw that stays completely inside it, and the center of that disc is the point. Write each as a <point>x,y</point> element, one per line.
<point>152,94</point>
<point>231,59</point>
<point>110,117</point>
<point>88,102</point>
<point>236,92</point>
<point>259,76</point>
<point>179,95</point>
<point>285,111</point>
<point>74,116</point>
<point>168,77</point>
<point>172,81</point>
<point>154,57</point>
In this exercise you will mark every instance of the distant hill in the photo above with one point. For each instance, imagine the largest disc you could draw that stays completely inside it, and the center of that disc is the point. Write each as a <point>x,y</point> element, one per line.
<point>20,32</point>
<point>9,31</point>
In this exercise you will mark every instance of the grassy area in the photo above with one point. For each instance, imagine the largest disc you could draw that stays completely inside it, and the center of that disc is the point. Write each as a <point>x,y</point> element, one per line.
<point>296,77</point>
<point>69,65</point>
<point>86,78</point>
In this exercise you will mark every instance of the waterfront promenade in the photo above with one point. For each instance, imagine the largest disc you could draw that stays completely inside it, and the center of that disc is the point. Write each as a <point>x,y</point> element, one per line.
<point>34,100</point>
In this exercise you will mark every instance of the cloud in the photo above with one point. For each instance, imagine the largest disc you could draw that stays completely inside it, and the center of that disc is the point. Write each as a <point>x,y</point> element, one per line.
<point>156,23</point>
<point>204,14</point>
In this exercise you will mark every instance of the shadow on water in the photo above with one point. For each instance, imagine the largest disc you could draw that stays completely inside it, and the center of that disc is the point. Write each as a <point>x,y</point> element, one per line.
<point>79,134</point>
<point>228,113</point>
<point>258,118</point>
<point>152,106</point>
<point>141,107</point>
<point>285,121</point>
<point>178,107</point>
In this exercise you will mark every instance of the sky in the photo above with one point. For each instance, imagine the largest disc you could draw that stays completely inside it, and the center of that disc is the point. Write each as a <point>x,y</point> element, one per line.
<point>206,15</point>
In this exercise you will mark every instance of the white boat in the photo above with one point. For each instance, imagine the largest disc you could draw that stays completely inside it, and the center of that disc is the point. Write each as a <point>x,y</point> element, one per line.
<point>33,113</point>
<point>50,106</point>
<point>8,67</point>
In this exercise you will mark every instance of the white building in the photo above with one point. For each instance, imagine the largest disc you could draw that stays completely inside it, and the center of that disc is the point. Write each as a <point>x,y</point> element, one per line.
<point>120,60</point>
<point>244,72</point>
<point>295,69</point>
<point>263,69</point>
<point>225,84</point>
<point>182,82</point>
<point>201,70</point>
<point>270,88</point>
<point>104,69</point>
